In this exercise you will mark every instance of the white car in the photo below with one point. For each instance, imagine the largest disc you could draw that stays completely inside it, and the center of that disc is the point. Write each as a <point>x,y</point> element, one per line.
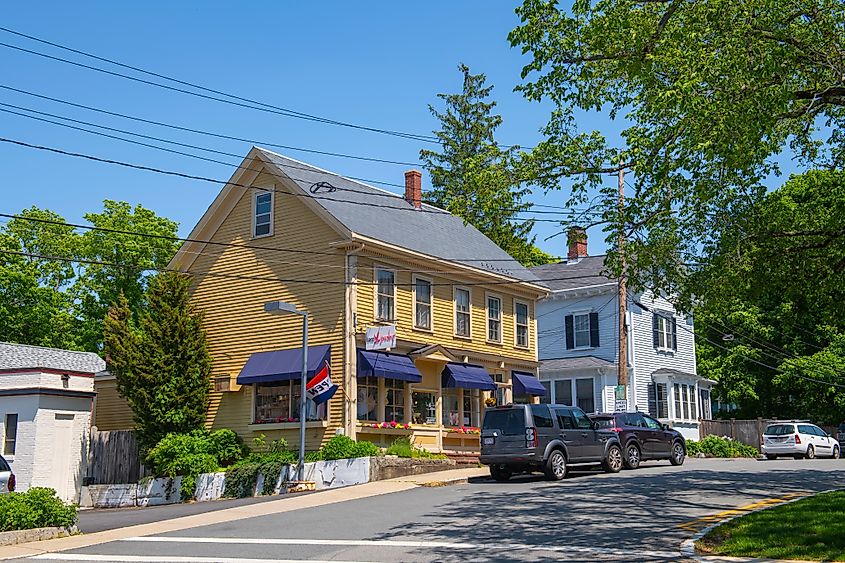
<point>7,478</point>
<point>798,439</point>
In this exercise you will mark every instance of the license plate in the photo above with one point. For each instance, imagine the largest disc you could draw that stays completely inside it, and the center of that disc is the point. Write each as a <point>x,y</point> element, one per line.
<point>489,441</point>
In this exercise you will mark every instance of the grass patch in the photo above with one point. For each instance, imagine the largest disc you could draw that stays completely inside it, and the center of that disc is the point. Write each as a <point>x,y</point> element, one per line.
<point>812,529</point>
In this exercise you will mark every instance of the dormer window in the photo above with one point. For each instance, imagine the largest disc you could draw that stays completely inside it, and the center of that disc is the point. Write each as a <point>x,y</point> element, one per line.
<point>262,221</point>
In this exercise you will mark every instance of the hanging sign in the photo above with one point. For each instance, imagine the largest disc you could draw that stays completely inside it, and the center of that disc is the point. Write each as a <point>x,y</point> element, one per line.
<point>381,337</point>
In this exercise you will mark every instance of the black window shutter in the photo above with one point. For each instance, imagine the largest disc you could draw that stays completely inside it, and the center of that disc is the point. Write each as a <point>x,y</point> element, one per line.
<point>674,335</point>
<point>654,333</point>
<point>662,401</point>
<point>652,400</point>
<point>594,330</point>
<point>570,332</point>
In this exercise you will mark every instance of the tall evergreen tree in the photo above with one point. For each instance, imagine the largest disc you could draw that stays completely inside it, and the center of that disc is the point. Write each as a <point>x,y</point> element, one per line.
<point>162,364</point>
<point>476,179</point>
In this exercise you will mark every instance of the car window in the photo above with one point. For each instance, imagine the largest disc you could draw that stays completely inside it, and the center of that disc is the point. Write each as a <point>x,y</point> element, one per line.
<point>564,419</point>
<point>805,429</point>
<point>818,431</point>
<point>542,416</point>
<point>4,466</point>
<point>651,423</point>
<point>581,420</point>
<point>779,429</point>
<point>604,421</point>
<point>637,420</point>
<point>510,422</point>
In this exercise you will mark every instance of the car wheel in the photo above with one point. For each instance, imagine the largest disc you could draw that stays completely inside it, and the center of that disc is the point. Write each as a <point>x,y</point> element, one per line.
<point>771,456</point>
<point>835,452</point>
<point>679,454</point>
<point>500,472</point>
<point>632,456</point>
<point>615,460</point>
<point>811,452</point>
<point>555,467</point>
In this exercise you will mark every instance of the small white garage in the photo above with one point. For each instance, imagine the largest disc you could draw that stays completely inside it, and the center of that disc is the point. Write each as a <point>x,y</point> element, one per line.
<point>46,400</point>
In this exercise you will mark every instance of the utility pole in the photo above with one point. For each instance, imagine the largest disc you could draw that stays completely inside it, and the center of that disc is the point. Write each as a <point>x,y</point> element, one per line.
<point>622,297</point>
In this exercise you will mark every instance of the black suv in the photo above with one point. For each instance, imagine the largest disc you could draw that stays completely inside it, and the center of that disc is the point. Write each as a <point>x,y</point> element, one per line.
<point>547,438</point>
<point>643,438</point>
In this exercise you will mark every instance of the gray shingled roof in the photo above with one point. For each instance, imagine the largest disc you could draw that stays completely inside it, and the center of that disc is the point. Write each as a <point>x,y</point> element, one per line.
<point>22,356</point>
<point>581,362</point>
<point>585,272</point>
<point>388,217</point>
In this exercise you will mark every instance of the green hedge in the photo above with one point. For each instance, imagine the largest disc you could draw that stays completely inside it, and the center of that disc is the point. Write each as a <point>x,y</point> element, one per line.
<point>403,447</point>
<point>38,507</point>
<point>715,446</point>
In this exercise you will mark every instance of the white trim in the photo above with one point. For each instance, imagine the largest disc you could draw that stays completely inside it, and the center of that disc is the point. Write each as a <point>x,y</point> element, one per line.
<point>487,296</point>
<point>414,279</point>
<point>528,321</point>
<point>259,191</point>
<point>455,312</point>
<point>376,268</point>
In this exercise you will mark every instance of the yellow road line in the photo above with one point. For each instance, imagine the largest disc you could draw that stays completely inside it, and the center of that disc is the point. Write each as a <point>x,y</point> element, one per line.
<point>704,521</point>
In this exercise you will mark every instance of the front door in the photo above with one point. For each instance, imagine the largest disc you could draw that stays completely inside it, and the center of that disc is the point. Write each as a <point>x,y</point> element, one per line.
<point>62,475</point>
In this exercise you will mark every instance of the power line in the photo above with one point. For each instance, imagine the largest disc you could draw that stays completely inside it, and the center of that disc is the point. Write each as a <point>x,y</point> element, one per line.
<point>235,99</point>
<point>207,133</point>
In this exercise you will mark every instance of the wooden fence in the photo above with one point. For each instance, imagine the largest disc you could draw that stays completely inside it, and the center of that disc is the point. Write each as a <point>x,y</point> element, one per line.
<point>113,458</point>
<point>748,432</point>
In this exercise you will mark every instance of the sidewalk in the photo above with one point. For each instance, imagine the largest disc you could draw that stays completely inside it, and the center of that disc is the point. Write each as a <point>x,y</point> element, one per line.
<point>282,504</point>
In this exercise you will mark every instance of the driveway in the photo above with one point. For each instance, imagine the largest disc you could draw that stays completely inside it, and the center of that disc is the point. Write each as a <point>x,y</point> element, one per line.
<point>641,515</point>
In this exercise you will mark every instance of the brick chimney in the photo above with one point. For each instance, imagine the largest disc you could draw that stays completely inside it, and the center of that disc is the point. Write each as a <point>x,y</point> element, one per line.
<point>413,188</point>
<point>577,243</point>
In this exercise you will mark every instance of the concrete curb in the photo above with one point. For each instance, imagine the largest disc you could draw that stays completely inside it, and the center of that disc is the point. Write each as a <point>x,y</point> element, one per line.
<point>688,545</point>
<point>36,534</point>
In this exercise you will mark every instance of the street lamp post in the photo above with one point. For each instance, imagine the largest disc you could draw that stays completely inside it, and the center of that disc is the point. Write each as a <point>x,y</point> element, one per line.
<point>281,308</point>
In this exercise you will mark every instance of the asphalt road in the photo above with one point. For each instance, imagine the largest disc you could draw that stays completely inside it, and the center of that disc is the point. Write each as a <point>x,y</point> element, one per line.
<point>641,515</point>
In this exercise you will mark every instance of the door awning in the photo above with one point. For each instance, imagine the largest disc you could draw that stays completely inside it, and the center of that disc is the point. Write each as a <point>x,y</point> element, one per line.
<point>467,376</point>
<point>383,364</point>
<point>283,365</point>
<point>525,383</point>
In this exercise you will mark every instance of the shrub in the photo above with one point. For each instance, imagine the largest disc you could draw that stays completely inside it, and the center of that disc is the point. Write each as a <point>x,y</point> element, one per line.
<point>36,508</point>
<point>243,475</point>
<point>344,447</point>
<point>403,447</point>
<point>715,446</point>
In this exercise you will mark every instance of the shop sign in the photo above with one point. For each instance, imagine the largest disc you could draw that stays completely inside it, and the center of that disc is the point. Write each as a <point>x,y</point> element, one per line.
<point>381,337</point>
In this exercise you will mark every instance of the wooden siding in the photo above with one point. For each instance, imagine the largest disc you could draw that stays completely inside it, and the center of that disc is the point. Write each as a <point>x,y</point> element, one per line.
<point>443,328</point>
<point>111,411</point>
<point>235,321</point>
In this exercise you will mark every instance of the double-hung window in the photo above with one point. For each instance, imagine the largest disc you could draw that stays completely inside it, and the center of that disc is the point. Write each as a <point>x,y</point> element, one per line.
<point>385,294</point>
<point>581,324</point>
<point>494,319</point>
<point>262,223</point>
<point>11,436</point>
<point>663,331</point>
<point>462,312</point>
<point>685,402</point>
<point>521,322</point>
<point>422,303</point>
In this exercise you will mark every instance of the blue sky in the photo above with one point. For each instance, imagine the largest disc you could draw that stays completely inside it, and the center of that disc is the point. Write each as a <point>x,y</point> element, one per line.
<point>378,64</point>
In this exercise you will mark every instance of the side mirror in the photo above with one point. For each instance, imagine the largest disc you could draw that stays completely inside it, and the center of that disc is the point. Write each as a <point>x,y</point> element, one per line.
<point>664,426</point>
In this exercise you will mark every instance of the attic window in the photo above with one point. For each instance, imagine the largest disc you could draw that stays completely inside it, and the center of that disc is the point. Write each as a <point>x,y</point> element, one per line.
<point>262,224</point>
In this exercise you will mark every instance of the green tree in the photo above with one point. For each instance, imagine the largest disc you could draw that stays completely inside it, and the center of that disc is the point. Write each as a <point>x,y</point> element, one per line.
<point>34,305</point>
<point>772,295</point>
<point>100,284</point>
<point>161,362</point>
<point>711,93</point>
<point>476,179</point>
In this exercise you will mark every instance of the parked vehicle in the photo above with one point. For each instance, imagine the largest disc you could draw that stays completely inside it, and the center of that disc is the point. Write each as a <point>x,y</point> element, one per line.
<point>547,438</point>
<point>840,433</point>
<point>644,438</point>
<point>7,478</point>
<point>798,439</point>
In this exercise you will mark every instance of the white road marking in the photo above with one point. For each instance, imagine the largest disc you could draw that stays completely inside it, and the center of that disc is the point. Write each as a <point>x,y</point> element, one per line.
<point>414,544</point>
<point>168,559</point>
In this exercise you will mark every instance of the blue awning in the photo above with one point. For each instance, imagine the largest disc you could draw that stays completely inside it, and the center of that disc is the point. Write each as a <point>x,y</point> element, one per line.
<point>467,376</point>
<point>283,365</point>
<point>382,364</point>
<point>527,384</point>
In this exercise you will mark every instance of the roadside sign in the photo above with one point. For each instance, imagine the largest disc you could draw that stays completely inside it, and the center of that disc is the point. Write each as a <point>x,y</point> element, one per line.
<point>621,405</point>
<point>620,392</point>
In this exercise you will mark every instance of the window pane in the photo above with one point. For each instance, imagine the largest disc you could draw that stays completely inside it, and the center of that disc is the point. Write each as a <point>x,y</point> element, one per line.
<point>547,398</point>
<point>385,280</point>
<point>394,408</point>
<point>262,229</point>
<point>522,313</point>
<point>581,420</point>
<point>494,319</point>
<point>522,325</point>
<point>451,414</point>
<point>273,403</point>
<point>472,405</point>
<point>685,390</point>
<point>422,299</point>
<point>425,407</point>
<point>678,412</point>
<point>11,434</point>
<point>367,403</point>
<point>584,394</point>
<point>563,392</point>
<point>662,400</point>
<point>581,324</point>
<point>542,416</point>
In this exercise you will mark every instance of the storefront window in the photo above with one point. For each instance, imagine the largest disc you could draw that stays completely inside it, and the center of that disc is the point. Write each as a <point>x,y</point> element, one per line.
<point>394,408</point>
<point>280,403</point>
<point>425,407</point>
<point>451,412</point>
<point>367,398</point>
<point>472,406</point>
